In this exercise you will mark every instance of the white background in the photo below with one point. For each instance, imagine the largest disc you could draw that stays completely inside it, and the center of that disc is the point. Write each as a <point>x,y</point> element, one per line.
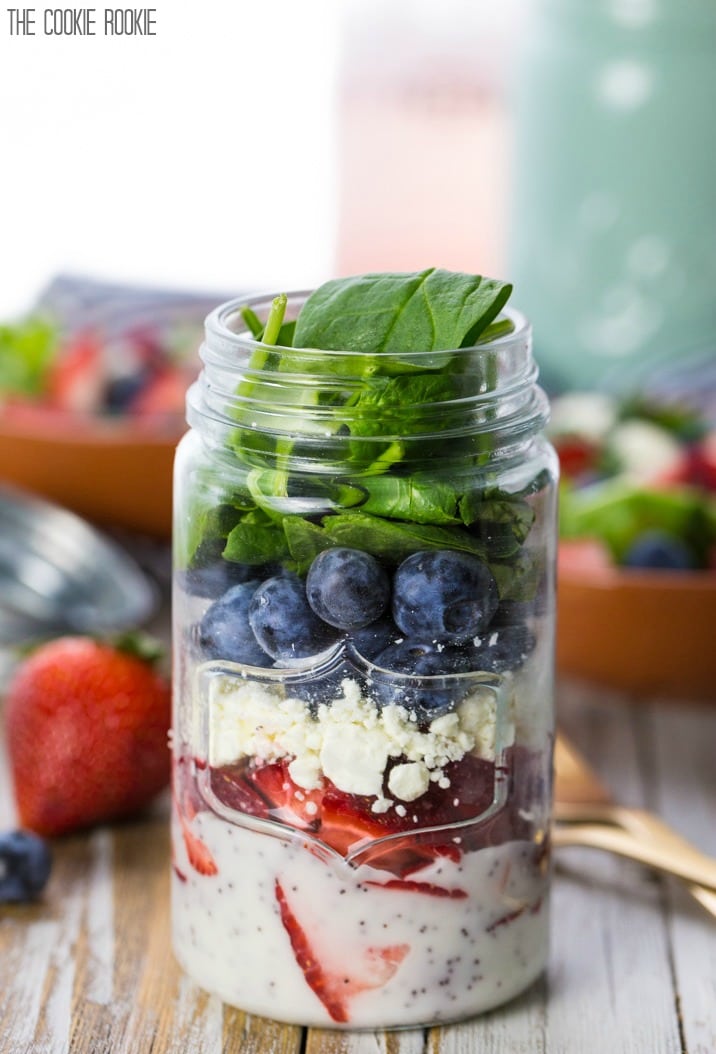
<point>209,156</point>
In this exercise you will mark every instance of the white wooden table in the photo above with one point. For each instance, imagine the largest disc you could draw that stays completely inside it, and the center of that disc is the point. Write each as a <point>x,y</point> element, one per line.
<point>632,968</point>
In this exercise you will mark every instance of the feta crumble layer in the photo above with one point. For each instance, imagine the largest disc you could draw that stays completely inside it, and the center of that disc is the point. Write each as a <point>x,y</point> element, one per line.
<point>351,741</point>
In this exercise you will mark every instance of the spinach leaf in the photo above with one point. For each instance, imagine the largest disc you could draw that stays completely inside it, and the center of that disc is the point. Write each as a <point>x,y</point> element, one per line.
<point>305,541</point>
<point>207,531</point>
<point>278,493</point>
<point>391,541</point>
<point>421,500</point>
<point>256,539</point>
<point>393,313</point>
<point>500,521</point>
<point>518,579</point>
<point>402,406</point>
<point>283,336</point>
<point>26,352</point>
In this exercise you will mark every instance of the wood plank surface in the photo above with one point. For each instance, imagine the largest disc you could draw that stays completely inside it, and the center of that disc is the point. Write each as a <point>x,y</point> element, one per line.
<point>89,969</point>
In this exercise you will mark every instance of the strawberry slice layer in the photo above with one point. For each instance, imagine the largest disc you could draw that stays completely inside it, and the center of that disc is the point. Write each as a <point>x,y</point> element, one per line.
<point>407,885</point>
<point>187,804</point>
<point>288,802</point>
<point>267,791</point>
<point>335,989</point>
<point>199,856</point>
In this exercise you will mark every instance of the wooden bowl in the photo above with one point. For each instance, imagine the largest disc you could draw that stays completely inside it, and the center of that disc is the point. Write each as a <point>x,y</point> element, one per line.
<point>113,473</point>
<point>650,633</point>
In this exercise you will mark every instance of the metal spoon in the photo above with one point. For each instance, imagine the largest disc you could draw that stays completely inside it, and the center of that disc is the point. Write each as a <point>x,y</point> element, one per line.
<point>59,573</point>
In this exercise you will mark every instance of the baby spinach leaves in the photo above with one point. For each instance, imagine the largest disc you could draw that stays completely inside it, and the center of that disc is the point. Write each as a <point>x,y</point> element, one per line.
<point>417,498</point>
<point>372,363</point>
<point>256,539</point>
<point>26,351</point>
<point>394,313</point>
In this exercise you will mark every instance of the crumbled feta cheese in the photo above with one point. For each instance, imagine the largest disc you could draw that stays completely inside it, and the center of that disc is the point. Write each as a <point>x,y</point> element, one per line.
<point>409,781</point>
<point>478,718</point>
<point>381,805</point>
<point>355,759</point>
<point>351,741</point>
<point>306,770</point>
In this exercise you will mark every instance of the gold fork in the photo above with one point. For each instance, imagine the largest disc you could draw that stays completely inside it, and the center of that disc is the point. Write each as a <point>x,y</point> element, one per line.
<point>586,815</point>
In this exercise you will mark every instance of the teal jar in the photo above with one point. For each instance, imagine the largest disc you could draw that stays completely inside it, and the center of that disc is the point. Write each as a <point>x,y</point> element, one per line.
<point>363,642</point>
<point>613,242</point>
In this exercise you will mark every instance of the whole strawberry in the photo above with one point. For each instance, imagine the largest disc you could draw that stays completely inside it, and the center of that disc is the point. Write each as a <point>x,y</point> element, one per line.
<point>87,727</point>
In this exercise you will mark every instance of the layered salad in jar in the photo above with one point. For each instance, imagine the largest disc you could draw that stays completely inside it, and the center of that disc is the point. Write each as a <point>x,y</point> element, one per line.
<point>363,612</point>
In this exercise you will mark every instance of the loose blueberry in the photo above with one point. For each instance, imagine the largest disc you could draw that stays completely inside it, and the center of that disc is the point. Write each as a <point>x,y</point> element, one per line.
<point>659,550</point>
<point>284,623</point>
<point>502,648</point>
<point>443,595</point>
<point>370,640</point>
<point>414,659</point>
<point>25,864</point>
<point>347,588</point>
<point>225,631</point>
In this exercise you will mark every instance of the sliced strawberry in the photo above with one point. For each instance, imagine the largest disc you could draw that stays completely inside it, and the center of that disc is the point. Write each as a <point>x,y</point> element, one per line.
<point>186,791</point>
<point>505,920</point>
<point>347,819</point>
<point>187,804</point>
<point>334,989</point>
<point>406,885</point>
<point>288,802</point>
<point>175,867</point>
<point>315,976</point>
<point>199,856</point>
<point>231,787</point>
<point>77,378</point>
<point>267,791</point>
<point>343,821</point>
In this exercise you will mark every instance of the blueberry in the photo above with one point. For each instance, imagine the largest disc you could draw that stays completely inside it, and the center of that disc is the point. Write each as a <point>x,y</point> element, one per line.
<point>25,864</point>
<point>370,640</point>
<point>225,631</point>
<point>319,690</point>
<point>443,595</point>
<point>284,623</point>
<point>511,612</point>
<point>122,391</point>
<point>415,659</point>
<point>217,575</point>
<point>502,648</point>
<point>658,549</point>
<point>347,588</point>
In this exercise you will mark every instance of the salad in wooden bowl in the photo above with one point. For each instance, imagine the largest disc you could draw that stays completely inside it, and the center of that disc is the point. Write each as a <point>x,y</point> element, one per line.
<point>637,562</point>
<point>92,388</point>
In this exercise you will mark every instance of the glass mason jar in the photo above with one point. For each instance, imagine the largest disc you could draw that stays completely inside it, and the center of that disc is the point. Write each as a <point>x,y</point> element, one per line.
<point>363,724</point>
